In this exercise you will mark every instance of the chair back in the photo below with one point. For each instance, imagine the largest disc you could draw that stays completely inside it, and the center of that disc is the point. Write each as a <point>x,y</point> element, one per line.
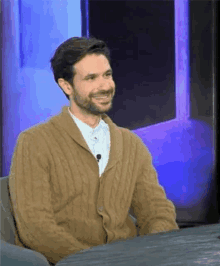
<point>7,227</point>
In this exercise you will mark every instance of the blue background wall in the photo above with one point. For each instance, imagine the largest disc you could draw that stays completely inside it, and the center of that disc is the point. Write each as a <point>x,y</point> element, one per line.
<point>31,32</point>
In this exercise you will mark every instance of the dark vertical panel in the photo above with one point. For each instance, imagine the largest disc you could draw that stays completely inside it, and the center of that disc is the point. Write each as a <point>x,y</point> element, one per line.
<point>215,38</point>
<point>201,60</point>
<point>140,35</point>
<point>215,68</point>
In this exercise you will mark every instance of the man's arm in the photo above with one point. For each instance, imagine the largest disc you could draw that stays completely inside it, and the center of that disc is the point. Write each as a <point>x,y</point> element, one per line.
<point>30,190</point>
<point>154,212</point>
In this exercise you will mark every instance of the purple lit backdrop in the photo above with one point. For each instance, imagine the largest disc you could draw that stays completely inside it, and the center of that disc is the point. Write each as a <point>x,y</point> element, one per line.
<point>183,147</point>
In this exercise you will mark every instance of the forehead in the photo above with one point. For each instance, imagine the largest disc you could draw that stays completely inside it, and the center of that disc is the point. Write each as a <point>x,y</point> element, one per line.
<point>93,63</point>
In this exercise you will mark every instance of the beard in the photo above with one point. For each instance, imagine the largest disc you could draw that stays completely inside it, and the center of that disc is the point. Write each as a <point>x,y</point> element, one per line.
<point>88,106</point>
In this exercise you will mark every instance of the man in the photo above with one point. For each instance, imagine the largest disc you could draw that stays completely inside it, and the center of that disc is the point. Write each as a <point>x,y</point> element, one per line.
<point>74,178</point>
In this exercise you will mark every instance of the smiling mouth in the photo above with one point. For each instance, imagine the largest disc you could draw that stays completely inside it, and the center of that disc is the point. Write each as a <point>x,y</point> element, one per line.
<point>102,97</point>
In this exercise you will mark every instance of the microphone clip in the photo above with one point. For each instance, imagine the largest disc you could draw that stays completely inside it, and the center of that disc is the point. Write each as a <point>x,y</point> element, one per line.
<point>98,157</point>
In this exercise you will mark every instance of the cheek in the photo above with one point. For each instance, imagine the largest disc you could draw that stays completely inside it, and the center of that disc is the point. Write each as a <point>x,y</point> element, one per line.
<point>86,89</point>
<point>113,84</point>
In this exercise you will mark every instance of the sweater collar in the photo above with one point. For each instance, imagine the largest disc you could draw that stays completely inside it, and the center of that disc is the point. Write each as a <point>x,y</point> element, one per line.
<point>65,121</point>
<point>86,129</point>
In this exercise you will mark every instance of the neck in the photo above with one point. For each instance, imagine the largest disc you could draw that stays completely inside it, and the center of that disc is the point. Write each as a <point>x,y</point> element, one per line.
<point>90,119</point>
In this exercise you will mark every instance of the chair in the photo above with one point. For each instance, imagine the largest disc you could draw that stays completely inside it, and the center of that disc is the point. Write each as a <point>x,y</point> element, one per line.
<point>10,253</point>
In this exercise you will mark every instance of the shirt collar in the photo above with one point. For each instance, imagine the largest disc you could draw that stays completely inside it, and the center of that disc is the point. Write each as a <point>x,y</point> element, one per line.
<point>86,128</point>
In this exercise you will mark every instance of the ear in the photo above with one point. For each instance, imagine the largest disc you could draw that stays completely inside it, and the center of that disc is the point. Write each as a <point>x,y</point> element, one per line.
<point>67,88</point>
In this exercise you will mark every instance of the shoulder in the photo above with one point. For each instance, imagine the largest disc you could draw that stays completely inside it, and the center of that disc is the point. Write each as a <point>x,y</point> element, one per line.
<point>37,133</point>
<point>130,138</point>
<point>129,133</point>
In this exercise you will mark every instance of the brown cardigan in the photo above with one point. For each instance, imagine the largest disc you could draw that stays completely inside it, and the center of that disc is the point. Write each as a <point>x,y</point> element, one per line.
<point>60,204</point>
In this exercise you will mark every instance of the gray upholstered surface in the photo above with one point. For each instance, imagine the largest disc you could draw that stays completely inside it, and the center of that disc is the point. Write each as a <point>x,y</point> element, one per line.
<point>12,255</point>
<point>185,247</point>
<point>7,227</point>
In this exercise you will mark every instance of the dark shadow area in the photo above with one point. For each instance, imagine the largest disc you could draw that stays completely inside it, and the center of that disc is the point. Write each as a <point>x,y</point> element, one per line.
<point>140,35</point>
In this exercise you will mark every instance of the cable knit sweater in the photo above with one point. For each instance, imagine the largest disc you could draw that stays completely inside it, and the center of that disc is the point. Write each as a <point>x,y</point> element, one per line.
<point>60,204</point>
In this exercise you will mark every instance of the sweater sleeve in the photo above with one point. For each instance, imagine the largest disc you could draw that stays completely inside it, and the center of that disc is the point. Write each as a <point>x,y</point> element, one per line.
<point>30,191</point>
<point>154,212</point>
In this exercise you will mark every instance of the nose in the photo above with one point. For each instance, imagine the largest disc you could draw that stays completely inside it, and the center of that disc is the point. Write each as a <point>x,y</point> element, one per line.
<point>104,82</point>
<point>106,85</point>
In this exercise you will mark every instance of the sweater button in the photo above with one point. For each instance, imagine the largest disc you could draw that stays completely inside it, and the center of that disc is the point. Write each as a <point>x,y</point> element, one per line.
<point>100,208</point>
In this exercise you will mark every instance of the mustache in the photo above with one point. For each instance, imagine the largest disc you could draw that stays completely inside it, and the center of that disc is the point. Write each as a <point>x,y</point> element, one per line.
<point>103,93</point>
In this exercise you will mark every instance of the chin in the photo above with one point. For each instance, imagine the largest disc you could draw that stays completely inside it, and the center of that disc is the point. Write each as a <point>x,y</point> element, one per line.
<point>105,110</point>
<point>100,110</point>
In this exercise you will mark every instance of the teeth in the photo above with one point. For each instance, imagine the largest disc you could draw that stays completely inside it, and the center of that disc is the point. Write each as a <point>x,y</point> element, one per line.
<point>102,97</point>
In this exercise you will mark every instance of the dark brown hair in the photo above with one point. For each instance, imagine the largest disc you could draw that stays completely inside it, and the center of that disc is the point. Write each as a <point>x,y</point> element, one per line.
<point>72,51</point>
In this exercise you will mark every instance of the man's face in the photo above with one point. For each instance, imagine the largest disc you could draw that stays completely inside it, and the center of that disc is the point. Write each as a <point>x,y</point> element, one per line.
<point>93,85</point>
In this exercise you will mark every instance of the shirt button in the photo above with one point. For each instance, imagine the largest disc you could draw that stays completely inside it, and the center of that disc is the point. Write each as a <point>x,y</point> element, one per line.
<point>100,208</point>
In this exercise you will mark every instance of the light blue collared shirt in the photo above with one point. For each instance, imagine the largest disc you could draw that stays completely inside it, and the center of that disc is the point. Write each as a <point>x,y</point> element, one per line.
<point>98,140</point>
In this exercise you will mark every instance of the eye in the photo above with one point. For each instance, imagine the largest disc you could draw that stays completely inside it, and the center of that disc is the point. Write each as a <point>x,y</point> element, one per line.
<point>109,74</point>
<point>91,78</point>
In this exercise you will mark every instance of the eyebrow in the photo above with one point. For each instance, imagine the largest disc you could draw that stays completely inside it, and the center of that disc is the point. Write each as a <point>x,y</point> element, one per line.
<point>95,74</point>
